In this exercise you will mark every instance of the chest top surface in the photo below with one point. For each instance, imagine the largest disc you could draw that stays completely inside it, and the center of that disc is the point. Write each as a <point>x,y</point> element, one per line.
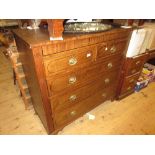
<point>41,37</point>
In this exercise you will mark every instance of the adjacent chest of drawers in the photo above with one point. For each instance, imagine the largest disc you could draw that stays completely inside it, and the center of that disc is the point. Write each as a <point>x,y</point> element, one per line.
<point>69,78</point>
<point>131,71</point>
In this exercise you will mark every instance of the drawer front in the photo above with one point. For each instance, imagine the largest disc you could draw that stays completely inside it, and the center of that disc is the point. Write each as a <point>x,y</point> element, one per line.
<point>129,83</point>
<point>79,78</point>
<point>135,64</point>
<point>64,117</point>
<point>111,48</point>
<point>134,70</point>
<point>69,60</point>
<point>65,100</point>
<point>65,45</point>
<point>151,54</point>
<point>127,89</point>
<point>117,35</point>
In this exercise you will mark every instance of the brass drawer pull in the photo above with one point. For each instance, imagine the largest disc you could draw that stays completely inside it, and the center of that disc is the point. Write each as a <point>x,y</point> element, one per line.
<point>72,61</point>
<point>133,71</point>
<point>129,88</point>
<point>88,55</point>
<point>107,81</point>
<point>132,80</point>
<point>110,65</point>
<point>113,49</point>
<point>72,98</point>
<point>138,62</point>
<point>72,80</point>
<point>106,49</point>
<point>104,95</point>
<point>73,113</point>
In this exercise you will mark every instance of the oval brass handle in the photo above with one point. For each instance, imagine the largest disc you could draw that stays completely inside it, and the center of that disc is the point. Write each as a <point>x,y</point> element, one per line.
<point>107,81</point>
<point>72,98</point>
<point>132,80</point>
<point>72,61</point>
<point>129,88</point>
<point>106,49</point>
<point>133,71</point>
<point>88,55</point>
<point>110,65</point>
<point>72,79</point>
<point>113,49</point>
<point>73,113</point>
<point>137,62</point>
<point>104,95</point>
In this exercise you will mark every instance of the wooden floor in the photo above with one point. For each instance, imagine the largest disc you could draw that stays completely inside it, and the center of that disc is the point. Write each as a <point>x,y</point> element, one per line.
<point>132,115</point>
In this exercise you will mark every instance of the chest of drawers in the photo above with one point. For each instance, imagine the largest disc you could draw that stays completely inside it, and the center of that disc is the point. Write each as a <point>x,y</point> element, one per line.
<point>70,77</point>
<point>131,71</point>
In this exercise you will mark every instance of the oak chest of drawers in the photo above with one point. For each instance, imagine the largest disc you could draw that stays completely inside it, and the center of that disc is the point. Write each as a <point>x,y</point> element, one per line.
<point>70,77</point>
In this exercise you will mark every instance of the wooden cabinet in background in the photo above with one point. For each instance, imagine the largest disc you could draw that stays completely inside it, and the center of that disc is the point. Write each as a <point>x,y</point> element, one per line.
<point>69,77</point>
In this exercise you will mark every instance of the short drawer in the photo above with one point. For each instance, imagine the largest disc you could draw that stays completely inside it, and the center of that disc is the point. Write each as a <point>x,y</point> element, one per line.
<point>117,35</point>
<point>69,60</point>
<point>111,48</point>
<point>79,78</point>
<point>129,88</point>
<point>135,64</point>
<point>66,116</point>
<point>151,54</point>
<point>133,70</point>
<point>129,83</point>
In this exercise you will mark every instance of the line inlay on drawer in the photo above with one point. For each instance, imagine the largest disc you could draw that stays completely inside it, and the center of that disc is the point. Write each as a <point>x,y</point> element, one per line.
<point>69,60</point>
<point>110,48</point>
<point>72,80</point>
<point>71,113</point>
<point>65,99</point>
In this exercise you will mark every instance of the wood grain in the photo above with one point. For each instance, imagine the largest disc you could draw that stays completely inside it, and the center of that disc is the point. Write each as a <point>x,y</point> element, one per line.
<point>53,62</point>
<point>14,119</point>
<point>131,70</point>
<point>31,73</point>
<point>60,82</point>
<point>73,112</point>
<point>133,115</point>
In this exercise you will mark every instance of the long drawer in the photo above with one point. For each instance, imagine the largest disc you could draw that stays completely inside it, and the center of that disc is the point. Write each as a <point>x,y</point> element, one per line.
<point>69,60</point>
<point>64,100</point>
<point>71,113</point>
<point>78,78</point>
<point>111,48</point>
